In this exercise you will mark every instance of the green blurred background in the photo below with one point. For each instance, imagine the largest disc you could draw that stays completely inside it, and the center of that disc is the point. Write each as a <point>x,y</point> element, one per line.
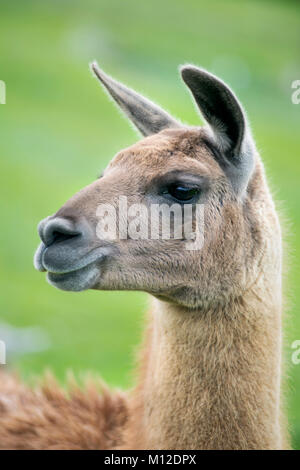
<point>58,130</point>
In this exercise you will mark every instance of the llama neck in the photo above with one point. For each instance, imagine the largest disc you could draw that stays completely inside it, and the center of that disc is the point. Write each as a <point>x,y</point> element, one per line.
<point>210,380</point>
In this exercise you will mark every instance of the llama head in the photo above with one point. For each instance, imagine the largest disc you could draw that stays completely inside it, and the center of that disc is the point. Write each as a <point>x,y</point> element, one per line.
<point>172,215</point>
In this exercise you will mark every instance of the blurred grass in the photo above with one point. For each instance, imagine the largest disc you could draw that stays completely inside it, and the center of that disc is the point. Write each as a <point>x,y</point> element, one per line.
<point>58,129</point>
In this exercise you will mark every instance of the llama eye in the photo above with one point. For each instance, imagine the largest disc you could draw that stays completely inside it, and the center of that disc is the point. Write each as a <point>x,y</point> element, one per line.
<point>182,193</point>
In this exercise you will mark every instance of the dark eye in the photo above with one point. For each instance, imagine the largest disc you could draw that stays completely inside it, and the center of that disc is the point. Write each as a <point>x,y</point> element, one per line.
<point>182,193</point>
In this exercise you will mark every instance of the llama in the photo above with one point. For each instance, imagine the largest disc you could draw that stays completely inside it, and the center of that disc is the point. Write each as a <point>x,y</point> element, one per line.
<point>210,367</point>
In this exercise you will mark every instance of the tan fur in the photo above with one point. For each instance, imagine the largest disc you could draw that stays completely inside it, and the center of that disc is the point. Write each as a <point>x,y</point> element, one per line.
<point>49,418</point>
<point>209,374</point>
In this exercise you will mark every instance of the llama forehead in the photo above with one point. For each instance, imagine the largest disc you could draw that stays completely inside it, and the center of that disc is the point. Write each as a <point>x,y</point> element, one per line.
<point>171,149</point>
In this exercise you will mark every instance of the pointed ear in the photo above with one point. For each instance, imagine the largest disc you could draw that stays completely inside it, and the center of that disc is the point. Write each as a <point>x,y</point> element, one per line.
<point>145,115</point>
<point>230,132</point>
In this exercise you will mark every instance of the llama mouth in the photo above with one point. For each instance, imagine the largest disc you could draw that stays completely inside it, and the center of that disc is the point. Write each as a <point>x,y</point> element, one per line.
<point>64,273</point>
<point>64,261</point>
<point>76,280</point>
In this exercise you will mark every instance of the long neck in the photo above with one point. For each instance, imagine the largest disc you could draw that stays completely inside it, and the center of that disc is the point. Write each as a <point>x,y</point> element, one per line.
<point>209,380</point>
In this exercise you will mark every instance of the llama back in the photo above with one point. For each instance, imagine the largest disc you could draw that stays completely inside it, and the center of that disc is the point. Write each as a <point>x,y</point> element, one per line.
<point>49,418</point>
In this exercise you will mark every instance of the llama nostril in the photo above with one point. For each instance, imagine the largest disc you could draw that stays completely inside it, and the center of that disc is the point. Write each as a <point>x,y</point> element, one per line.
<point>58,230</point>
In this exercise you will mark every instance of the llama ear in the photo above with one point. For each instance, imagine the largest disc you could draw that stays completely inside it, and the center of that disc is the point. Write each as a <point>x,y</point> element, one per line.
<point>231,135</point>
<point>145,115</point>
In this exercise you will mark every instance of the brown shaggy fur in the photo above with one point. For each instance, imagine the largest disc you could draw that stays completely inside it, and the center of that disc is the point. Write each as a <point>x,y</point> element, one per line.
<point>49,418</point>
